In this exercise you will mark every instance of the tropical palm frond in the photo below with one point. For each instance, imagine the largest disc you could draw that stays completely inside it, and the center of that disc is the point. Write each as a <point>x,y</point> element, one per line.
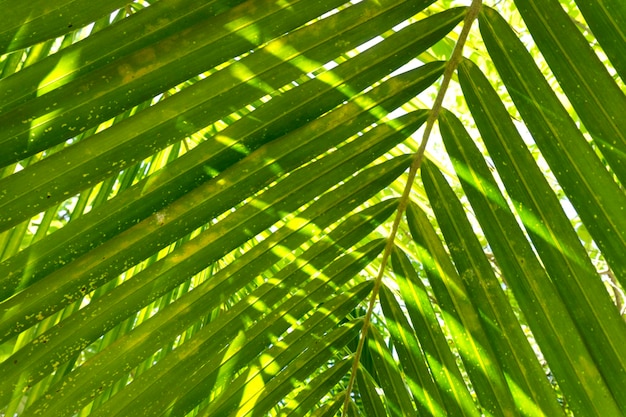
<point>195,199</point>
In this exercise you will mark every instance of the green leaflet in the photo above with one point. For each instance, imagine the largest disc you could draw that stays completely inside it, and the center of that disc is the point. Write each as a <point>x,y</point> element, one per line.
<point>372,403</point>
<point>312,356</point>
<point>193,168</point>
<point>63,287</point>
<point>561,252</point>
<point>188,363</point>
<point>311,394</point>
<point>440,359</point>
<point>97,96</point>
<point>79,330</point>
<point>598,100</point>
<point>460,301</point>
<point>396,396</point>
<point>144,198</point>
<point>80,166</point>
<point>330,409</point>
<point>606,19</point>
<point>426,396</point>
<point>197,303</point>
<point>146,26</point>
<point>540,301</point>
<point>22,27</point>
<point>598,200</point>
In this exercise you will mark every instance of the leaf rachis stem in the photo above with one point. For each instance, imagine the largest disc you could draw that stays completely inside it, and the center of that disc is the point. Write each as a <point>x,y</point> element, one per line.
<point>418,156</point>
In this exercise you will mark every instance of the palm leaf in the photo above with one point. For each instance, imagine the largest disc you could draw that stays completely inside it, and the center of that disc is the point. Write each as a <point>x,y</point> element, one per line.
<point>195,198</point>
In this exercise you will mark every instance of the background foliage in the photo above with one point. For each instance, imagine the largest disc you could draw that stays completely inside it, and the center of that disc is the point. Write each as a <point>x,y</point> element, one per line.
<point>195,197</point>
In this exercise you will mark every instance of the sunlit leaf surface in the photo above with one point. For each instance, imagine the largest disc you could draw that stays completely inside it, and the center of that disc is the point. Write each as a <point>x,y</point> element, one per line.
<point>197,198</point>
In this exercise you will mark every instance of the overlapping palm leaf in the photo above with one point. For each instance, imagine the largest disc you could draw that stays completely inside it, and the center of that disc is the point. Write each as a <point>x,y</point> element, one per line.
<point>194,197</point>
